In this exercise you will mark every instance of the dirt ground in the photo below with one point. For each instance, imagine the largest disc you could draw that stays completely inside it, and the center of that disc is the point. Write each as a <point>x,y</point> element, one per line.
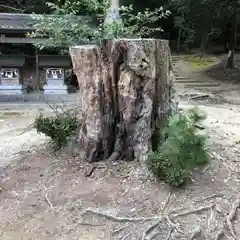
<point>50,196</point>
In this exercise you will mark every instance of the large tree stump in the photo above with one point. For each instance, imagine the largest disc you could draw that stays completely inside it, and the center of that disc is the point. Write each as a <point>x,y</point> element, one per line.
<point>126,96</point>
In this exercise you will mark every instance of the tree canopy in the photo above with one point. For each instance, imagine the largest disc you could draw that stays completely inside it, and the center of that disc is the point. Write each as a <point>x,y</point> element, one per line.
<point>191,24</point>
<point>82,21</point>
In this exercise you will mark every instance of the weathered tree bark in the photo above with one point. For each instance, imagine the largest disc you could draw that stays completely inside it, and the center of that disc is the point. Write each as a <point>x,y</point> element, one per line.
<point>126,95</point>
<point>87,66</point>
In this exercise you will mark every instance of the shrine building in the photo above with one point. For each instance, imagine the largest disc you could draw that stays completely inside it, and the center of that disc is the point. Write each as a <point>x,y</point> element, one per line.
<point>24,69</point>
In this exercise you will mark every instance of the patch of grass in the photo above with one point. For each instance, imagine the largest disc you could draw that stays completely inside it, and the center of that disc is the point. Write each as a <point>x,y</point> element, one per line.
<point>183,151</point>
<point>199,62</point>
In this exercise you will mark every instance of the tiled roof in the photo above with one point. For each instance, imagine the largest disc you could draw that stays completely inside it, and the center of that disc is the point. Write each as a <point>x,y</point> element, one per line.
<point>13,61</point>
<point>16,21</point>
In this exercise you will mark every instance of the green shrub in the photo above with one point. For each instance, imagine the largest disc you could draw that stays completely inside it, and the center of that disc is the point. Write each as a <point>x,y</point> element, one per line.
<point>59,127</point>
<point>183,150</point>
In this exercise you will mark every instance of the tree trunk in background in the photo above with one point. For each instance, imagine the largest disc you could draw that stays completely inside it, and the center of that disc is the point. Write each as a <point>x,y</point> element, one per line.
<point>232,41</point>
<point>126,95</point>
<point>204,41</point>
<point>179,39</point>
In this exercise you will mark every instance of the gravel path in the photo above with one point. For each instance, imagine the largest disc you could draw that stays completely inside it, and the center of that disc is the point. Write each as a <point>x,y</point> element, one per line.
<point>15,137</point>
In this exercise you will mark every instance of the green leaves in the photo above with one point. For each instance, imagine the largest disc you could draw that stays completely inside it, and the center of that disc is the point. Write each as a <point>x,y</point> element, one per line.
<point>59,128</point>
<point>142,23</point>
<point>199,19</point>
<point>66,28</point>
<point>183,151</point>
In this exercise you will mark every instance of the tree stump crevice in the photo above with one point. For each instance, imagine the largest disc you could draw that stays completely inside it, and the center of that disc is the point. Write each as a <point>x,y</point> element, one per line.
<point>124,96</point>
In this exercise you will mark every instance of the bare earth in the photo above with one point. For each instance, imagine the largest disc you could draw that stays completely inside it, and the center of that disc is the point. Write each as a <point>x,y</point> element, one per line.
<point>47,196</point>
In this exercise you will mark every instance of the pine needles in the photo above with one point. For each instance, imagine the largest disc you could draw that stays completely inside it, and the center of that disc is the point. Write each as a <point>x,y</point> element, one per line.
<point>183,150</point>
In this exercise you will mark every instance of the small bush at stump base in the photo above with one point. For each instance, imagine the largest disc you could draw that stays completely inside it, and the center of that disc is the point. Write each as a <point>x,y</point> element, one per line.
<point>59,127</point>
<point>182,152</point>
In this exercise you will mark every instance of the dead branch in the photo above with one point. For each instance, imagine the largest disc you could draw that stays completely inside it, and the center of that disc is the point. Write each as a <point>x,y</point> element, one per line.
<point>154,236</point>
<point>125,237</point>
<point>230,217</point>
<point>219,235</point>
<point>118,230</point>
<point>204,208</point>
<point>12,8</point>
<point>165,203</point>
<point>47,200</point>
<point>236,150</point>
<point>147,177</point>
<point>89,172</point>
<point>174,225</point>
<point>46,195</point>
<point>150,229</point>
<point>209,197</point>
<point>226,163</point>
<point>91,224</point>
<point>211,217</point>
<point>55,110</point>
<point>169,234</point>
<point>120,219</point>
<point>215,155</point>
<point>199,97</point>
<point>155,225</point>
<point>119,176</point>
<point>196,233</point>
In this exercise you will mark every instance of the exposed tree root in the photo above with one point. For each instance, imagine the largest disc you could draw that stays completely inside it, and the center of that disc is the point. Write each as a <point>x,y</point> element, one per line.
<point>204,208</point>
<point>155,225</point>
<point>158,218</point>
<point>181,210</point>
<point>168,217</point>
<point>120,219</point>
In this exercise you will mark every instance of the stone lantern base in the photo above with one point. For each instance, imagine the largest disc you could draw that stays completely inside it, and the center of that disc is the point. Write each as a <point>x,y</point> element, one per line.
<point>11,89</point>
<point>55,89</point>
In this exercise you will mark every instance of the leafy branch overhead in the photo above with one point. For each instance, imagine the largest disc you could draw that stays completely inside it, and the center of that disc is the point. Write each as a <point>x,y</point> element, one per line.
<point>69,24</point>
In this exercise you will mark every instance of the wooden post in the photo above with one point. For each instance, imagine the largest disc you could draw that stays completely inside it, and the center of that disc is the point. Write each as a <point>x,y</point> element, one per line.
<point>113,12</point>
<point>126,96</point>
<point>37,72</point>
<point>114,3</point>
